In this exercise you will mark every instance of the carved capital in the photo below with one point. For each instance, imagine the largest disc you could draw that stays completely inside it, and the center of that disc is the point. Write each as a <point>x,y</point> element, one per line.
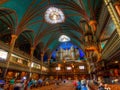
<point>93,24</point>
<point>32,50</point>
<point>14,36</point>
<point>13,39</point>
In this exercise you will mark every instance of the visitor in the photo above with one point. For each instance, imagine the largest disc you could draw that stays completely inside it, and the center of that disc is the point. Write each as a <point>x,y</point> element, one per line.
<point>79,85</point>
<point>19,85</point>
<point>107,87</point>
<point>6,86</point>
<point>101,87</point>
<point>83,84</point>
<point>12,82</point>
<point>75,84</point>
<point>1,87</point>
<point>64,81</point>
<point>40,82</point>
<point>30,83</point>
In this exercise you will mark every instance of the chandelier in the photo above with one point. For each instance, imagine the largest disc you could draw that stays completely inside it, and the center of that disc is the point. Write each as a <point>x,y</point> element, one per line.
<point>54,15</point>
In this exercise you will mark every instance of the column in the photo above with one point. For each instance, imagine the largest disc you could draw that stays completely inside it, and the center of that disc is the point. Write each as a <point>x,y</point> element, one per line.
<point>31,58</point>
<point>49,61</point>
<point>42,54</point>
<point>117,7</point>
<point>12,43</point>
<point>89,67</point>
<point>113,15</point>
<point>93,25</point>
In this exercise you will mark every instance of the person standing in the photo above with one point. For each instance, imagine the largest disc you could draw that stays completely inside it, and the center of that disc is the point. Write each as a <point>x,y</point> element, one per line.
<point>107,87</point>
<point>79,85</point>
<point>101,87</point>
<point>83,85</point>
<point>75,84</point>
<point>12,82</point>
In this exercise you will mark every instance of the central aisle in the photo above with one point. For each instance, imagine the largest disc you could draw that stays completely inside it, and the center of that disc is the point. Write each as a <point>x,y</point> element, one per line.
<point>66,86</point>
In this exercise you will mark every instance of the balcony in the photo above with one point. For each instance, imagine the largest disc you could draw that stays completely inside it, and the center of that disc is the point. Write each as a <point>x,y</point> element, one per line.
<point>112,46</point>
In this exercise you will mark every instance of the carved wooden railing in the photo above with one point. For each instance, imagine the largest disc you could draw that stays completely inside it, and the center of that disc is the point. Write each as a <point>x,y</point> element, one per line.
<point>21,67</point>
<point>67,73</point>
<point>18,66</point>
<point>3,64</point>
<point>44,72</point>
<point>36,70</point>
<point>111,46</point>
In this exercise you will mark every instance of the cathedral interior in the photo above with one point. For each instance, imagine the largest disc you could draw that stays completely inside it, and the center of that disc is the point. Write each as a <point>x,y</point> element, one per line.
<point>60,38</point>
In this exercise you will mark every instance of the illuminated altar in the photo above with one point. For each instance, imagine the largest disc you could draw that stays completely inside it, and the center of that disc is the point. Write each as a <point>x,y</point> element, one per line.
<point>67,54</point>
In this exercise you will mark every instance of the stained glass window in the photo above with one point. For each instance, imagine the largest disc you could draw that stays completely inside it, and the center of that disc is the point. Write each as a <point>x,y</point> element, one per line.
<point>54,15</point>
<point>64,38</point>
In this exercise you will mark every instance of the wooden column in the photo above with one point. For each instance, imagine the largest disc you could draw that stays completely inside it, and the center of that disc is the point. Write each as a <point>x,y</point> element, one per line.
<point>113,15</point>
<point>117,7</point>
<point>49,61</point>
<point>12,44</point>
<point>42,54</point>
<point>31,59</point>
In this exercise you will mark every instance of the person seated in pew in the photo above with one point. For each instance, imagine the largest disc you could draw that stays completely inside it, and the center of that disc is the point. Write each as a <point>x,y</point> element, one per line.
<point>107,87</point>
<point>101,87</point>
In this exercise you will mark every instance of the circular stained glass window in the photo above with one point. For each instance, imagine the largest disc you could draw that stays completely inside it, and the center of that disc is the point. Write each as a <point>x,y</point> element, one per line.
<point>54,15</point>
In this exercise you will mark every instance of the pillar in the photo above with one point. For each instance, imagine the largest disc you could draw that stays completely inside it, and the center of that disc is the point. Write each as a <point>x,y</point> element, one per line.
<point>12,44</point>
<point>117,7</point>
<point>89,67</point>
<point>93,25</point>
<point>48,61</point>
<point>42,54</point>
<point>113,15</point>
<point>31,58</point>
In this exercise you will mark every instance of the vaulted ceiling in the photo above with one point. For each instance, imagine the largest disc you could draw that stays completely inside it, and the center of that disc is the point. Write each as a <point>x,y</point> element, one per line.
<point>26,19</point>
